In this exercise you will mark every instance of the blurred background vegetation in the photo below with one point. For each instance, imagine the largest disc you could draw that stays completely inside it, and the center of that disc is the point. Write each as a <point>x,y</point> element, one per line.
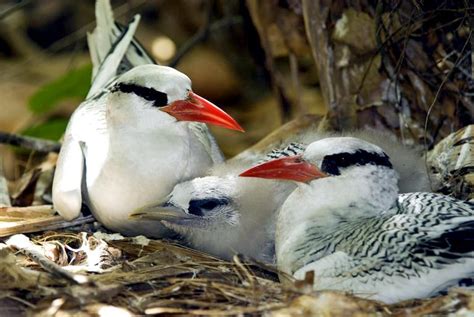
<point>405,66</point>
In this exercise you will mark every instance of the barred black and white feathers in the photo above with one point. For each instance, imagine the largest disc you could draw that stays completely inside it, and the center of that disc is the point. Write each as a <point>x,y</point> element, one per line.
<point>291,149</point>
<point>422,246</point>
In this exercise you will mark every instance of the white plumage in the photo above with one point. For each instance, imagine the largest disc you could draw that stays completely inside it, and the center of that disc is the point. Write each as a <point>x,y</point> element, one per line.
<point>134,137</point>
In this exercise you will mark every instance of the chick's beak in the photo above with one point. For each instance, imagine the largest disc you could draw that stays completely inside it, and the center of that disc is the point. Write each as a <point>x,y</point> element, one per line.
<point>159,212</point>
<point>288,168</point>
<point>196,108</point>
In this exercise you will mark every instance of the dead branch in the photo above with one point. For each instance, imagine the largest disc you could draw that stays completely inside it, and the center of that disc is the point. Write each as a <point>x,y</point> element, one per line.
<point>40,223</point>
<point>333,79</point>
<point>35,144</point>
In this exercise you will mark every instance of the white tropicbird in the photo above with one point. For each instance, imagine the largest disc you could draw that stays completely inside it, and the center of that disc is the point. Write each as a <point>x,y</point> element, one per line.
<point>139,132</point>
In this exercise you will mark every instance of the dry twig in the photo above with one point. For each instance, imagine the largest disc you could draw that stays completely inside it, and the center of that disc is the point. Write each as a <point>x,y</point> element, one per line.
<point>35,144</point>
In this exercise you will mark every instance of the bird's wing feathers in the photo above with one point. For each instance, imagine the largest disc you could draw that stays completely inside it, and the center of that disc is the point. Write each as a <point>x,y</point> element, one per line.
<point>100,41</point>
<point>424,231</point>
<point>451,245</point>
<point>136,55</point>
<point>68,178</point>
<point>433,230</point>
<point>110,65</point>
<point>291,149</point>
<point>105,44</point>
<point>201,131</point>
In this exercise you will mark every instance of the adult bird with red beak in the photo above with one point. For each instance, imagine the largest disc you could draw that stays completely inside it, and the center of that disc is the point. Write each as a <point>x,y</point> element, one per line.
<point>140,131</point>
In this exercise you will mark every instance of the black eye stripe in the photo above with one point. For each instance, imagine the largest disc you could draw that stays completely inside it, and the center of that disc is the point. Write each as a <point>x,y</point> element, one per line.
<point>199,207</point>
<point>159,98</point>
<point>333,163</point>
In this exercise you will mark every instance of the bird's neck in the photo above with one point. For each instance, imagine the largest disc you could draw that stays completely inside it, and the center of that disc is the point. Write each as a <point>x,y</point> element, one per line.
<point>315,210</point>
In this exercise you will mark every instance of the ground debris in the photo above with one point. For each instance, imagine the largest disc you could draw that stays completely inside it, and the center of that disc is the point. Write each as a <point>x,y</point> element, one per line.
<point>13,276</point>
<point>452,164</point>
<point>162,278</point>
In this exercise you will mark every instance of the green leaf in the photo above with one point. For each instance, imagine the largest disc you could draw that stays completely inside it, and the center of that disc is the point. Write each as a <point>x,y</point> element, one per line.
<point>74,84</point>
<point>52,129</point>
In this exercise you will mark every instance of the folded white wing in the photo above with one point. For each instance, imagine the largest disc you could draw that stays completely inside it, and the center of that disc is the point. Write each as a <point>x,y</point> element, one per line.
<point>67,184</point>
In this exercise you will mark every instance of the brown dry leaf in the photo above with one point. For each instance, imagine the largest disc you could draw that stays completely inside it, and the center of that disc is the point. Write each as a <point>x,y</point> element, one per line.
<point>452,164</point>
<point>367,83</point>
<point>22,191</point>
<point>357,30</point>
<point>280,26</point>
<point>263,16</point>
<point>42,193</point>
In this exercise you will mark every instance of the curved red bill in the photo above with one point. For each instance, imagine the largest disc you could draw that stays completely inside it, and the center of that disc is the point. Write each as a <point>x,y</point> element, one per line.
<point>196,108</point>
<point>289,168</point>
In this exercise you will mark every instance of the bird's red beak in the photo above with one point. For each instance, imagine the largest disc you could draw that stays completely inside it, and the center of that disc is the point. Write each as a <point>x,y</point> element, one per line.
<point>289,168</point>
<point>196,108</point>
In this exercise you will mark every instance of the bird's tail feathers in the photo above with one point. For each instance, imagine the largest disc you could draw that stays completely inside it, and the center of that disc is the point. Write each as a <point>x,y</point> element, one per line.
<point>101,42</point>
<point>136,53</point>
<point>108,68</point>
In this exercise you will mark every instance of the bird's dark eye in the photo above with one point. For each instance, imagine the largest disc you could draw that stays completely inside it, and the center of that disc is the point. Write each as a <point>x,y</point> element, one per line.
<point>210,204</point>
<point>199,207</point>
<point>159,98</point>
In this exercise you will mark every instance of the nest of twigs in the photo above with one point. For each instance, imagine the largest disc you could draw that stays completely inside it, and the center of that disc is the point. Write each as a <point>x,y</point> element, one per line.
<point>77,273</point>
